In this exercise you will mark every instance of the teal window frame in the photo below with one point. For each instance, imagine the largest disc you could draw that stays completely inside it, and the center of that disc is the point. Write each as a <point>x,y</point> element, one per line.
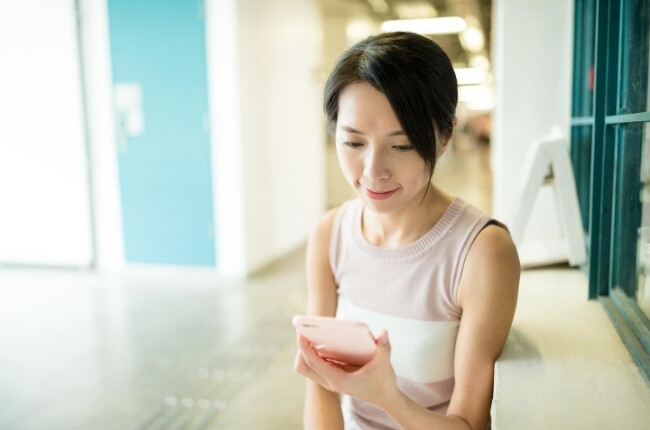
<point>598,106</point>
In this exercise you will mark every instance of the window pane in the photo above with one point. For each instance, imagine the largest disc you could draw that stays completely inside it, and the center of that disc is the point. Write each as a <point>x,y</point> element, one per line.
<point>643,248</point>
<point>629,256</point>
<point>581,158</point>
<point>635,52</point>
<point>583,70</point>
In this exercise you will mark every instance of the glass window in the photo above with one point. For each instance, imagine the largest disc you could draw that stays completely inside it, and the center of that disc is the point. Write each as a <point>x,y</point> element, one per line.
<point>581,157</point>
<point>583,84</point>
<point>643,236</point>
<point>610,150</point>
<point>627,206</point>
<point>635,51</point>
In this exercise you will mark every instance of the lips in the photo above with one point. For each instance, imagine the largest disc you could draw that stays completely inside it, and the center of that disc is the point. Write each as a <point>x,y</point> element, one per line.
<point>379,195</point>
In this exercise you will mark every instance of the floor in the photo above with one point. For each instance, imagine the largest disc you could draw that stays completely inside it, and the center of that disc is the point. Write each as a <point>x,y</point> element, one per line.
<point>149,351</point>
<point>564,366</point>
<point>169,349</point>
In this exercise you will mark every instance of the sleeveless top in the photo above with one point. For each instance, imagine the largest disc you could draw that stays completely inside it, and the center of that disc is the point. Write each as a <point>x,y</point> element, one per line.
<point>411,292</point>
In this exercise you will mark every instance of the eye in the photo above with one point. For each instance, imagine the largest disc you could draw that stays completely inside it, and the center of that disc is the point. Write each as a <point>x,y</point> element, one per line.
<point>352,144</point>
<point>404,148</point>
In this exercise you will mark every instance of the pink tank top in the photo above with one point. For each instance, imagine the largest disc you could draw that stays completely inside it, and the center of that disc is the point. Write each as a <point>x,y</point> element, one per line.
<point>411,292</point>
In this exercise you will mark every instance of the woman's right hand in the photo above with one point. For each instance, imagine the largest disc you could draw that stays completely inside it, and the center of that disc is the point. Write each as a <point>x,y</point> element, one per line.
<point>374,382</point>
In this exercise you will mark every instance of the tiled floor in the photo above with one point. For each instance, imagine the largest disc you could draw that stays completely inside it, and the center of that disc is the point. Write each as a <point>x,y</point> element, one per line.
<point>90,351</point>
<point>564,366</point>
<point>186,351</point>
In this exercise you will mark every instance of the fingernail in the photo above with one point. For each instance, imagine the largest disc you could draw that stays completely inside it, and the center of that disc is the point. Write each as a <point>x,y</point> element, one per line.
<point>303,341</point>
<point>383,339</point>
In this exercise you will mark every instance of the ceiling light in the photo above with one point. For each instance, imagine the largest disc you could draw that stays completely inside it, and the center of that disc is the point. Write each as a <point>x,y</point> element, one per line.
<point>480,61</point>
<point>474,93</point>
<point>447,25</point>
<point>476,97</point>
<point>470,76</point>
<point>472,39</point>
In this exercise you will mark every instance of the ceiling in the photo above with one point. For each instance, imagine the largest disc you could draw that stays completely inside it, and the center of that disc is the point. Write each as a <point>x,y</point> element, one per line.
<point>383,10</point>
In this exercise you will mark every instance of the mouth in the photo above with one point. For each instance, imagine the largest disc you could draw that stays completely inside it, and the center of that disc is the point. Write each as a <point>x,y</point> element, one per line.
<point>379,195</point>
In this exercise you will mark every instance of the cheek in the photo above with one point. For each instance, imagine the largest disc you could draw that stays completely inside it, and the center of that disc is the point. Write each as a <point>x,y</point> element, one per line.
<point>420,175</point>
<point>346,161</point>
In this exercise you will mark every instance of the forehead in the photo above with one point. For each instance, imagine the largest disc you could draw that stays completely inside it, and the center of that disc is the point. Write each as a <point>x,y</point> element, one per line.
<point>364,108</point>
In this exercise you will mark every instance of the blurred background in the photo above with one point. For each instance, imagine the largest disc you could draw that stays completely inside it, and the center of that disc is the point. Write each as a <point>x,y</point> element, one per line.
<point>162,163</point>
<point>186,133</point>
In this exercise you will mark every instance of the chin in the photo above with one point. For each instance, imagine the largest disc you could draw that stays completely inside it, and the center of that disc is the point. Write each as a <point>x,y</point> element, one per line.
<point>378,206</point>
<point>379,209</point>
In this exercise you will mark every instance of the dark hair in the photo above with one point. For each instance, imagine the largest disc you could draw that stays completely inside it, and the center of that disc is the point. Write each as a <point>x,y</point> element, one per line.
<point>414,74</point>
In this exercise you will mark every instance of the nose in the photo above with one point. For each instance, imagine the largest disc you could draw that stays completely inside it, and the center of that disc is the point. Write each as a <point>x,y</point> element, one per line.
<point>376,165</point>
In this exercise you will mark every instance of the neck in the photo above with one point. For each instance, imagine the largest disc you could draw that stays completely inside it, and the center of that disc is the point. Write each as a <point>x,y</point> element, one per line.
<point>409,223</point>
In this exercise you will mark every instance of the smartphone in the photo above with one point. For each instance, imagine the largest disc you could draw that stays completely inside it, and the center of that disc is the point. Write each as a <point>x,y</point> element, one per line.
<point>341,341</point>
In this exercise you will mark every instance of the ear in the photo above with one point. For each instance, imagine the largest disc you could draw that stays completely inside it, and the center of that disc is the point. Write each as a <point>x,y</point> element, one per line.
<point>446,139</point>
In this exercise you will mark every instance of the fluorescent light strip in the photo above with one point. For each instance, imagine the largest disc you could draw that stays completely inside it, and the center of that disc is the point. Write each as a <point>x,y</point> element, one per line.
<point>447,25</point>
<point>470,76</point>
<point>474,93</point>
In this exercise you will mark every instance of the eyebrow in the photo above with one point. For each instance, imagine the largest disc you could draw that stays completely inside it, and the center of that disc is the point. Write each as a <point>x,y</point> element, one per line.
<point>355,131</point>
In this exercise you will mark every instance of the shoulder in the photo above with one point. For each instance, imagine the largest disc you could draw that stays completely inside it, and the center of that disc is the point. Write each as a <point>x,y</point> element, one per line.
<point>491,266</point>
<point>322,230</point>
<point>494,242</point>
<point>320,239</point>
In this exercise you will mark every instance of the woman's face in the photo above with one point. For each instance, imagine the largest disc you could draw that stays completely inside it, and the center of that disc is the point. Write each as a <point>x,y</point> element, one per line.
<point>374,152</point>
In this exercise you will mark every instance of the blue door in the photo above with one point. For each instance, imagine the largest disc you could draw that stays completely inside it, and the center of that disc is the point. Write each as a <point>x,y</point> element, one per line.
<point>159,73</point>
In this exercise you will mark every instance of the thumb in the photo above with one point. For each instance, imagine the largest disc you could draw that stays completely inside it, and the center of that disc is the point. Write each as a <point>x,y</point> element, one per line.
<point>383,344</point>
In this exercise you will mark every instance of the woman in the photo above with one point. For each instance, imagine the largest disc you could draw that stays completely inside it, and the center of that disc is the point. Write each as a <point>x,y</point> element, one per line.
<point>429,270</point>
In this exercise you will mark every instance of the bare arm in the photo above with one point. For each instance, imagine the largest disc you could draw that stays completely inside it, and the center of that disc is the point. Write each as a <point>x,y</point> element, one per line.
<point>322,407</point>
<point>488,296</point>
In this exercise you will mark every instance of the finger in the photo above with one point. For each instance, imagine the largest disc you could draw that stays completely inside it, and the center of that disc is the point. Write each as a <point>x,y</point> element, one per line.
<point>318,364</point>
<point>308,354</point>
<point>348,368</point>
<point>382,339</point>
<point>308,351</point>
<point>303,343</point>
<point>298,362</point>
<point>301,367</point>
<point>383,346</point>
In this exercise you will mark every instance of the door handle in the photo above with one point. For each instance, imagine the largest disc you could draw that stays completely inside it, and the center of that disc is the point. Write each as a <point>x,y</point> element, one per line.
<point>129,116</point>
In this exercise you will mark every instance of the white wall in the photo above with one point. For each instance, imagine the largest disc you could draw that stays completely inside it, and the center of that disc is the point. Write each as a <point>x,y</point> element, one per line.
<point>268,138</point>
<point>101,134</point>
<point>222,23</point>
<point>282,132</point>
<point>532,60</point>
<point>44,198</point>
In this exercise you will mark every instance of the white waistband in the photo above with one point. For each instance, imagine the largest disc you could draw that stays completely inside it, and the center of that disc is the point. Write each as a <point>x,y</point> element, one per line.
<point>421,351</point>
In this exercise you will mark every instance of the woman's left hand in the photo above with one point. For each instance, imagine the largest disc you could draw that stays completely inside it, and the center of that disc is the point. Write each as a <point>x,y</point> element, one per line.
<point>374,382</point>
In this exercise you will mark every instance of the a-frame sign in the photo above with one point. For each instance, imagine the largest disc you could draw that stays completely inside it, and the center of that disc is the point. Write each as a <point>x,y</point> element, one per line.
<point>550,165</point>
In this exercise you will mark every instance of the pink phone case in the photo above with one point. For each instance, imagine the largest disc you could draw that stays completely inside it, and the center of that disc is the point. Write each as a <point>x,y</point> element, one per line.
<point>349,342</point>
